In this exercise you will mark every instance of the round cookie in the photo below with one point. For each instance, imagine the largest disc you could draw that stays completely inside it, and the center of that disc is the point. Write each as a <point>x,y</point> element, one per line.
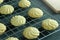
<point>50,24</point>
<point>18,20</point>
<point>1,1</point>
<point>35,13</point>
<point>12,38</point>
<point>6,9</point>
<point>24,3</point>
<point>31,32</point>
<point>2,28</point>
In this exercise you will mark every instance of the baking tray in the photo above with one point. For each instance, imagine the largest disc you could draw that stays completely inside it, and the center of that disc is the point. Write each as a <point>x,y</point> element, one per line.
<point>17,31</point>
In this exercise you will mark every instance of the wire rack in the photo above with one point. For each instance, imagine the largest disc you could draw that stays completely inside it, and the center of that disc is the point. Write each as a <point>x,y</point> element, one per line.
<point>16,31</point>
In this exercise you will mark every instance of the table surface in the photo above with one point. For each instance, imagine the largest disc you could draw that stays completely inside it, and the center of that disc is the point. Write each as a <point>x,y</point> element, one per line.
<point>55,36</point>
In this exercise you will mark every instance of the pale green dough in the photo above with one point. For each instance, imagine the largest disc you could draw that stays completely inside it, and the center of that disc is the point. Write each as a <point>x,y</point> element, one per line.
<point>12,38</point>
<point>24,3</point>
<point>6,9</point>
<point>1,1</point>
<point>35,13</point>
<point>31,32</point>
<point>18,20</point>
<point>50,24</point>
<point>2,28</point>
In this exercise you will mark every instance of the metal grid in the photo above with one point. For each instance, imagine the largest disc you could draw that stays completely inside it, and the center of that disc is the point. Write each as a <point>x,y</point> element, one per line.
<point>15,32</point>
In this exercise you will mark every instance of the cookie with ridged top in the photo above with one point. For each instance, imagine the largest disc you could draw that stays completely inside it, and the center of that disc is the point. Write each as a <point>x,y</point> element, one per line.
<point>2,28</point>
<point>50,24</point>
<point>12,38</point>
<point>6,9</point>
<point>18,20</point>
<point>31,32</point>
<point>24,3</point>
<point>35,13</point>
